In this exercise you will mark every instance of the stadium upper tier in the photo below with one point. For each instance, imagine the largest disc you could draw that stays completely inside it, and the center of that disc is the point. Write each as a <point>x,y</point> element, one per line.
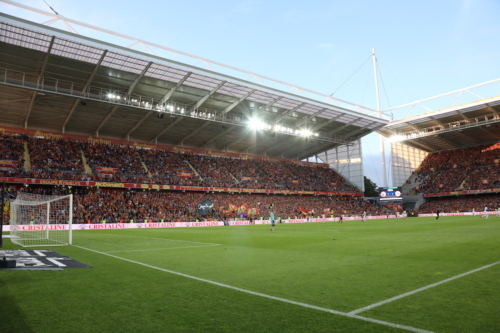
<point>460,170</point>
<point>59,81</point>
<point>455,127</point>
<point>40,157</point>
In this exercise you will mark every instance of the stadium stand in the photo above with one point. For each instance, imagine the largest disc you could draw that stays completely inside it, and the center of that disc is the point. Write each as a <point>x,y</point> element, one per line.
<point>461,204</point>
<point>460,169</point>
<point>113,206</point>
<point>62,159</point>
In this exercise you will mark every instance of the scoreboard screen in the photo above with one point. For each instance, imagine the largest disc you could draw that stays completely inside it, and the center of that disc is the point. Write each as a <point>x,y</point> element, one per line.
<point>390,193</point>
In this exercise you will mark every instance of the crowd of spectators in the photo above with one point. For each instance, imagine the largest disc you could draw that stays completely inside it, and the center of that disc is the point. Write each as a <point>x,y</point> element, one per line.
<point>95,205</point>
<point>469,168</point>
<point>120,205</point>
<point>62,159</point>
<point>461,204</point>
<point>12,149</point>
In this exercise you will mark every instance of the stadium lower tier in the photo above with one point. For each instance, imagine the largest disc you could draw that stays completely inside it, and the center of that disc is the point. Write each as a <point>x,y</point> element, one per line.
<point>93,205</point>
<point>466,203</point>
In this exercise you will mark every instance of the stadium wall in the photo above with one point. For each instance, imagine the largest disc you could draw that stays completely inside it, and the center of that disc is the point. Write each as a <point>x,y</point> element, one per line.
<point>347,161</point>
<point>404,160</point>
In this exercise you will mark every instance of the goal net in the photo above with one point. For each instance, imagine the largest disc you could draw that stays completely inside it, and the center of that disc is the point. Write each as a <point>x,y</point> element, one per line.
<point>41,220</point>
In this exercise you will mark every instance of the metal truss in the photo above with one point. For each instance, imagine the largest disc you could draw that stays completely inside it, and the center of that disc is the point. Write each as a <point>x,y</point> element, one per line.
<point>53,18</point>
<point>86,92</point>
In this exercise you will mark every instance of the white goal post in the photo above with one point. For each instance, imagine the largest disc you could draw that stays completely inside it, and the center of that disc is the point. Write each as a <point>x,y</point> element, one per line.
<point>41,220</point>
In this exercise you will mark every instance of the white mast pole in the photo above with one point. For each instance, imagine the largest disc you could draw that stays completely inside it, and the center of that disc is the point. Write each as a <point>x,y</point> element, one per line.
<point>382,143</point>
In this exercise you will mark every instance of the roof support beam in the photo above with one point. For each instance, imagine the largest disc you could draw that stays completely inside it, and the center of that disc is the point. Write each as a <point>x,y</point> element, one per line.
<point>174,88</point>
<point>221,114</point>
<point>323,124</point>
<point>137,79</point>
<point>42,71</point>
<point>194,107</point>
<point>282,143</point>
<point>113,110</point>
<point>305,119</point>
<point>204,98</point>
<point>146,116</point>
<point>227,130</point>
<point>242,137</point>
<point>420,145</point>
<point>129,91</point>
<point>318,151</point>
<point>442,138</point>
<point>495,112</point>
<point>181,141</point>
<point>484,129</point>
<point>361,129</point>
<point>235,103</point>
<point>457,132</point>
<point>89,80</point>
<point>286,113</point>
<point>175,122</point>
<point>338,129</point>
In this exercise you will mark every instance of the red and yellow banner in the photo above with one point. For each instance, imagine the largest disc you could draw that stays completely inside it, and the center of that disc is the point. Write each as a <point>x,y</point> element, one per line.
<point>104,170</point>
<point>8,164</point>
<point>296,182</point>
<point>304,211</point>
<point>28,181</point>
<point>185,175</point>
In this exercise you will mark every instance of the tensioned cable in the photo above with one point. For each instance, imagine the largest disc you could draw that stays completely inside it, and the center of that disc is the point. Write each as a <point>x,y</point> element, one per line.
<point>404,88</point>
<point>385,90</point>
<point>351,75</point>
<point>366,85</point>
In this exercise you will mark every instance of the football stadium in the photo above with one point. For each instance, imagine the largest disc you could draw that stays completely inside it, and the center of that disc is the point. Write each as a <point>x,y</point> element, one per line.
<point>143,194</point>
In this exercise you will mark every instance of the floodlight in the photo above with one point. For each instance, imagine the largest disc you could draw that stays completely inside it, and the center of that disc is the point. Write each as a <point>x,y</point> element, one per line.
<point>255,123</point>
<point>305,132</point>
<point>396,138</point>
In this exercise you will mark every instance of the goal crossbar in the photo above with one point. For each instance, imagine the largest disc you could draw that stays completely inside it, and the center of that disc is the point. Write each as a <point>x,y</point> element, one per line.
<point>41,220</point>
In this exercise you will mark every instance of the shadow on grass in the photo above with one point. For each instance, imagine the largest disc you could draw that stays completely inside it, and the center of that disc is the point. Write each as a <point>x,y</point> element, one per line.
<point>12,319</point>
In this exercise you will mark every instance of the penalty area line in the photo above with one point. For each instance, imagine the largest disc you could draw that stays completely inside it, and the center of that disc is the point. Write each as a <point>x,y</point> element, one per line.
<point>164,248</point>
<point>420,289</point>
<point>164,239</point>
<point>284,300</point>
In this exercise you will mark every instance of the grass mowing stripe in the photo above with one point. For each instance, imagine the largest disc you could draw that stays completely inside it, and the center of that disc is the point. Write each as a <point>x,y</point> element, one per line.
<point>421,289</point>
<point>166,239</point>
<point>354,316</point>
<point>164,248</point>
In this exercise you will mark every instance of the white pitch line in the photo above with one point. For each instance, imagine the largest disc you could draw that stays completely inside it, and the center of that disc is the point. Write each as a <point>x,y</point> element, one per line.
<point>420,289</point>
<point>381,322</point>
<point>165,248</point>
<point>450,234</point>
<point>173,240</point>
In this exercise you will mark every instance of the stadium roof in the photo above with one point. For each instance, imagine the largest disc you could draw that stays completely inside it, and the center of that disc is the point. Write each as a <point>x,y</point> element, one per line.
<point>459,126</point>
<point>60,81</point>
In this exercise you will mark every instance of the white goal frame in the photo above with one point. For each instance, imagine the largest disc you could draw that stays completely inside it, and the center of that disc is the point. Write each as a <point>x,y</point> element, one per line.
<point>41,220</point>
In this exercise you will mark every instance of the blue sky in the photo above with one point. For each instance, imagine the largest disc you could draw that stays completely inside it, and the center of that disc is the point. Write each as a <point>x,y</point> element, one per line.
<point>425,48</point>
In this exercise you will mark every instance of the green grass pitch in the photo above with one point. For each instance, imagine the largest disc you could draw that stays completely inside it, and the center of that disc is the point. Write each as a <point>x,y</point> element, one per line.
<point>277,279</point>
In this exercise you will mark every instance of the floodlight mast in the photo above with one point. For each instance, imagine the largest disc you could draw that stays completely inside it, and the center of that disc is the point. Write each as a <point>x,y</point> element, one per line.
<point>382,143</point>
